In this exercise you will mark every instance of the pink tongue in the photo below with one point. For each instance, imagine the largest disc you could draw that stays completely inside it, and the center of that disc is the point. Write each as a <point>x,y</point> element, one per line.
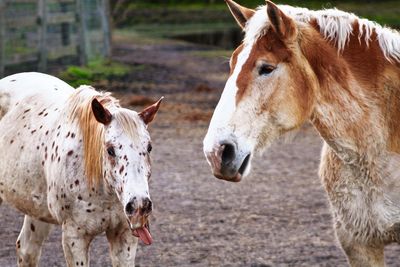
<point>145,235</point>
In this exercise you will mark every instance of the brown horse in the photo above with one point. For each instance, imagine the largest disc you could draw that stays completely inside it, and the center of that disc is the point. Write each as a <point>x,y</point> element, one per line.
<point>341,73</point>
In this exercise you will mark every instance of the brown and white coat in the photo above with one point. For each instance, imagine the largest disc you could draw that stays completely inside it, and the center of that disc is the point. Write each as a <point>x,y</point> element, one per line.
<point>341,73</point>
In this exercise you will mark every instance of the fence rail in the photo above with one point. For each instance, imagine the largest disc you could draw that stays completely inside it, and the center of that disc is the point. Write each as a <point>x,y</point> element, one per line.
<point>41,31</point>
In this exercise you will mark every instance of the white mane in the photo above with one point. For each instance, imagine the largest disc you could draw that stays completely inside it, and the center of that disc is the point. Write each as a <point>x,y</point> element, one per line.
<point>334,25</point>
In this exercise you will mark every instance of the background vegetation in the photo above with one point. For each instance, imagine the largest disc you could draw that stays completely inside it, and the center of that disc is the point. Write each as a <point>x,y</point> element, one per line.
<point>156,21</point>
<point>128,12</point>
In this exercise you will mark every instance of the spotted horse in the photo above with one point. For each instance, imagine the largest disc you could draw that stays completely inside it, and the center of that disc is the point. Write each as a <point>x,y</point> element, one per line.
<point>75,158</point>
<point>339,72</point>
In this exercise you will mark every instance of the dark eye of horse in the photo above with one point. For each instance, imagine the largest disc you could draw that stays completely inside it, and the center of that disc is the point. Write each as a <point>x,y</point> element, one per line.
<point>149,148</point>
<point>111,151</point>
<point>265,69</point>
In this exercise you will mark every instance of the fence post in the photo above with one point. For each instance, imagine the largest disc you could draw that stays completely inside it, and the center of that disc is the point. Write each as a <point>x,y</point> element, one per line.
<point>105,24</point>
<point>65,27</point>
<point>2,36</point>
<point>83,38</point>
<point>42,20</point>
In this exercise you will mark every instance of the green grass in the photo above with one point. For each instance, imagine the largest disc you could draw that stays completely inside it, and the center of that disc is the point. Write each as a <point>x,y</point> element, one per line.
<point>186,12</point>
<point>155,23</point>
<point>95,71</point>
<point>383,12</point>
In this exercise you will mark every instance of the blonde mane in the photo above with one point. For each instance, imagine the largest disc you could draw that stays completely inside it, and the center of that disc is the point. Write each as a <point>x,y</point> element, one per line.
<point>335,25</point>
<point>93,132</point>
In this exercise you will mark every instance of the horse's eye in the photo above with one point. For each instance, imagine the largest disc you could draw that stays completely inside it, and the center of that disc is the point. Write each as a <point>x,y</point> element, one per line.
<point>111,151</point>
<point>149,148</point>
<point>265,69</point>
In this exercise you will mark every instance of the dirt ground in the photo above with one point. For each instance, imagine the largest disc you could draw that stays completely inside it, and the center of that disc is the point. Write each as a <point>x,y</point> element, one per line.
<point>278,216</point>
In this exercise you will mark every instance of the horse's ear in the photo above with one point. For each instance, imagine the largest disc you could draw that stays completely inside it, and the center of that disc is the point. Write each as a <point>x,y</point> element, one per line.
<point>101,114</point>
<point>149,113</point>
<point>284,26</point>
<point>240,13</point>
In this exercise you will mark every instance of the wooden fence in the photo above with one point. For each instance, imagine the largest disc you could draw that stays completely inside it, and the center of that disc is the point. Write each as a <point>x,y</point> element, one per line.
<point>42,31</point>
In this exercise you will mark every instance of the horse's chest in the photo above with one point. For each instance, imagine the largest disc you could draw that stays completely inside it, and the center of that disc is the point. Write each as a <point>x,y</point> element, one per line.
<point>361,208</point>
<point>95,217</point>
<point>92,210</point>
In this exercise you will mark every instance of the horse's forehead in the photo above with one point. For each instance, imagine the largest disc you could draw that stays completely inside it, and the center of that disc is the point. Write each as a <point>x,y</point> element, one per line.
<point>268,48</point>
<point>129,131</point>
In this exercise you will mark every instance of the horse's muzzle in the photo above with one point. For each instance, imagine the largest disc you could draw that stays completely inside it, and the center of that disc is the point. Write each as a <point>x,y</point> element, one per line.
<point>138,213</point>
<point>226,163</point>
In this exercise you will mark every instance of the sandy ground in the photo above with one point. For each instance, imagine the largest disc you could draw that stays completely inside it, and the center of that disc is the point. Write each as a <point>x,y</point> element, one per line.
<point>279,216</point>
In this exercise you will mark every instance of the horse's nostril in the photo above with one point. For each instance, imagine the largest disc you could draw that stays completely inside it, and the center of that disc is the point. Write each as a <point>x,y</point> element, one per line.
<point>244,164</point>
<point>228,154</point>
<point>147,206</point>
<point>130,208</point>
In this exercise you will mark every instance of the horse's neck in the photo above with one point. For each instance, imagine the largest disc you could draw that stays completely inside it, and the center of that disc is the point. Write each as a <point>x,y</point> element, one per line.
<point>357,108</point>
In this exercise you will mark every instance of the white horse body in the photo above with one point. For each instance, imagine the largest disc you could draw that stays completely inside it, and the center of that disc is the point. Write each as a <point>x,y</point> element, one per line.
<point>23,179</point>
<point>42,173</point>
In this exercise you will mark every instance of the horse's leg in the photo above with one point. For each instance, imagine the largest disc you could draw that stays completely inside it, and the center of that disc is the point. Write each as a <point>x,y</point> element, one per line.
<point>122,246</point>
<point>75,244</point>
<point>30,240</point>
<point>361,255</point>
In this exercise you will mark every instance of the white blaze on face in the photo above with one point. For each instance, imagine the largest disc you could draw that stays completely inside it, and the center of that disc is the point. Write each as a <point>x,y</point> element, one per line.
<point>135,187</point>
<point>131,167</point>
<point>219,128</point>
